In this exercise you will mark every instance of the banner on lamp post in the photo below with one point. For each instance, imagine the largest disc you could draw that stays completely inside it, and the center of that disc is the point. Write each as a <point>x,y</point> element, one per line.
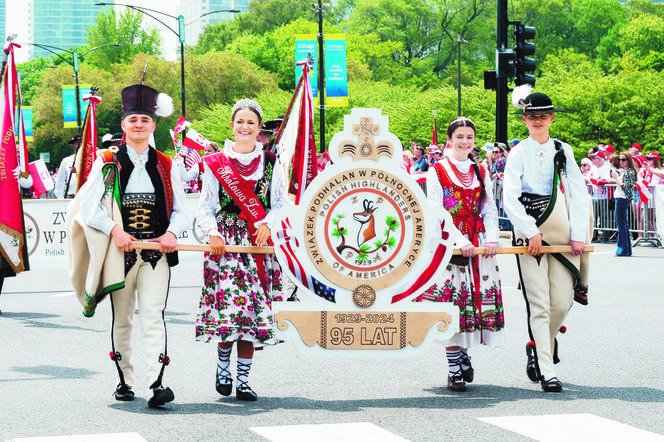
<point>306,44</point>
<point>336,74</point>
<point>27,122</point>
<point>69,104</point>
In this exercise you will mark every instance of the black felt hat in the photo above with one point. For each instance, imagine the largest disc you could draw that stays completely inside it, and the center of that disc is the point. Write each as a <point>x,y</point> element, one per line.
<point>273,124</point>
<point>537,103</point>
<point>144,100</point>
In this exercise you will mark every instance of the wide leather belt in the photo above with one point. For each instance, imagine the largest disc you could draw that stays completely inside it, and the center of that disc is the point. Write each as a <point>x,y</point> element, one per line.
<point>138,214</point>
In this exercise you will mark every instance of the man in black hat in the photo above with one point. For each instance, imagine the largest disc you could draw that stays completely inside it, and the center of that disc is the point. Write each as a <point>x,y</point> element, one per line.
<point>152,209</point>
<point>543,214</point>
<point>66,182</point>
<point>272,127</point>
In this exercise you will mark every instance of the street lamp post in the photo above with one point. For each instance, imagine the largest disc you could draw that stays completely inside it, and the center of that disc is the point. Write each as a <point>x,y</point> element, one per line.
<point>179,32</point>
<point>73,63</point>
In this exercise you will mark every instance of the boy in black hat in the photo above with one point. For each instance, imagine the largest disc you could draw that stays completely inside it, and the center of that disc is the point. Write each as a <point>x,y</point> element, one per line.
<point>152,209</point>
<point>543,214</point>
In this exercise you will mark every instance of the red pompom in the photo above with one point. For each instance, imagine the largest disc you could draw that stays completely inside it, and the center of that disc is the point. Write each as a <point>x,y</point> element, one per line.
<point>164,359</point>
<point>531,344</point>
<point>563,329</point>
<point>112,356</point>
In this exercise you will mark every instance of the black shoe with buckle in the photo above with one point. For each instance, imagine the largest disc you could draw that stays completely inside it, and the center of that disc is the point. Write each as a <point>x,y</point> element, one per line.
<point>467,373</point>
<point>552,385</point>
<point>123,392</point>
<point>531,368</point>
<point>455,382</point>
<point>160,396</point>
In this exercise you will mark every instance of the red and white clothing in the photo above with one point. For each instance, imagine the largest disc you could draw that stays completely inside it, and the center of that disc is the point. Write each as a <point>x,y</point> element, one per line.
<point>476,288</point>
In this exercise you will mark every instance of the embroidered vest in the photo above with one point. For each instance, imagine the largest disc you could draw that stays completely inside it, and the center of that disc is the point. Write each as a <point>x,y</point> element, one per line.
<point>158,167</point>
<point>462,203</point>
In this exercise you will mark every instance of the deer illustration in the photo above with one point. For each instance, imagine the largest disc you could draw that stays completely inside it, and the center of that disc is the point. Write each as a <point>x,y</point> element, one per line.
<point>366,219</point>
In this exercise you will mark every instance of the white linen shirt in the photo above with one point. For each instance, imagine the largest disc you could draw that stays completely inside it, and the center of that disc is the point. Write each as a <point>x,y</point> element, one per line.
<point>529,169</point>
<point>139,182</point>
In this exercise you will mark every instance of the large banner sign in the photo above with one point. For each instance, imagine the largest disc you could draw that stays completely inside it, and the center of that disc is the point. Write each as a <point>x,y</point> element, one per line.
<point>306,44</point>
<point>46,235</point>
<point>336,75</point>
<point>69,104</point>
<point>363,242</point>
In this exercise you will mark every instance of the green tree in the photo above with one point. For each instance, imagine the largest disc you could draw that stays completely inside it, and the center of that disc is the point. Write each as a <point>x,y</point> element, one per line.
<point>125,30</point>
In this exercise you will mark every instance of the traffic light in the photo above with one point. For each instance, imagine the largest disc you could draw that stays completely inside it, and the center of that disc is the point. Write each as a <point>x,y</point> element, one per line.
<point>523,48</point>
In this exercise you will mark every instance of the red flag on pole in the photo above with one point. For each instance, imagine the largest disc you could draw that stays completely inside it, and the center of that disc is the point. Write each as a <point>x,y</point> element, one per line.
<point>87,152</point>
<point>434,134</point>
<point>12,231</point>
<point>305,163</point>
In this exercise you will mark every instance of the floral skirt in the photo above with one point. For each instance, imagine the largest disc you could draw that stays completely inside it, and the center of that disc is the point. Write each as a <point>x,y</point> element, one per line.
<point>233,303</point>
<point>481,314</point>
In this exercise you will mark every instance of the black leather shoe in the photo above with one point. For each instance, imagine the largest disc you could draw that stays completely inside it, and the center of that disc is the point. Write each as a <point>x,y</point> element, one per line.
<point>245,393</point>
<point>553,385</point>
<point>469,373</point>
<point>123,393</point>
<point>160,396</point>
<point>455,382</point>
<point>531,368</point>
<point>224,389</point>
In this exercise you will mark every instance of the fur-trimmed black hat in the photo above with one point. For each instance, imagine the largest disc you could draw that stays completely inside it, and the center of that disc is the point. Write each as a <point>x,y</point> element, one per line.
<point>144,100</point>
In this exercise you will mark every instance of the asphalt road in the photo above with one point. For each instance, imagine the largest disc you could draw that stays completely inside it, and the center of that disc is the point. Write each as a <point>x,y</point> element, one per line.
<point>56,378</point>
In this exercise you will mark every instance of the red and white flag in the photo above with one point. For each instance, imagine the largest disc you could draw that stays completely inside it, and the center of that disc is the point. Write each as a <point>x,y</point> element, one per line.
<point>12,231</point>
<point>42,181</point>
<point>296,141</point>
<point>87,152</point>
<point>644,192</point>
<point>194,140</point>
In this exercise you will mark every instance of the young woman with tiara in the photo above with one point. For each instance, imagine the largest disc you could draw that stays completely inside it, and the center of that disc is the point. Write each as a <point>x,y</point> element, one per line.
<point>238,290</point>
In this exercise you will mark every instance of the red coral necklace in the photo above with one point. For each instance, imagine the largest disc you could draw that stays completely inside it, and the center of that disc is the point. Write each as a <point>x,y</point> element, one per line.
<point>246,170</point>
<point>466,178</point>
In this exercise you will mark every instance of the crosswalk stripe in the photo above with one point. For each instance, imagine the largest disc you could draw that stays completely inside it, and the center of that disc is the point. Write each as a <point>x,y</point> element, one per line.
<point>110,437</point>
<point>571,427</point>
<point>362,431</point>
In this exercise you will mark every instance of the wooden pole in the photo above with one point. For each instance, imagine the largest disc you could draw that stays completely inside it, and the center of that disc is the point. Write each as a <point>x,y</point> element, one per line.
<point>259,250</point>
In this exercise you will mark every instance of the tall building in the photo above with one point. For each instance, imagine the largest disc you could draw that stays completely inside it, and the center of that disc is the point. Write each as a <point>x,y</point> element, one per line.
<point>3,14</point>
<point>199,13</point>
<point>61,23</point>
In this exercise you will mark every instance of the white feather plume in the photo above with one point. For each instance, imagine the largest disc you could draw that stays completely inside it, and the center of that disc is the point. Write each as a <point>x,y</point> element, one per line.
<point>164,106</point>
<point>520,93</point>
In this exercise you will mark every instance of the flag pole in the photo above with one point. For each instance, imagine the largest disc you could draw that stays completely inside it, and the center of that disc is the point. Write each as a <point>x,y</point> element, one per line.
<point>258,250</point>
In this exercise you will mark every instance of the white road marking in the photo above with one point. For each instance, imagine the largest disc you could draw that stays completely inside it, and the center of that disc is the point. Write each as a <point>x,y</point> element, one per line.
<point>571,427</point>
<point>62,295</point>
<point>362,431</point>
<point>111,437</point>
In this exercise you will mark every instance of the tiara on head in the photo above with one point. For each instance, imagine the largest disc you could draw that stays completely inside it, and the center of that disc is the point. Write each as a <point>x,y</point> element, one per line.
<point>248,103</point>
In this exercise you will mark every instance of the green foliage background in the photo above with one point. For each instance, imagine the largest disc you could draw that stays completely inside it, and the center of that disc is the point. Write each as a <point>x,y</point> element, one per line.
<point>602,60</point>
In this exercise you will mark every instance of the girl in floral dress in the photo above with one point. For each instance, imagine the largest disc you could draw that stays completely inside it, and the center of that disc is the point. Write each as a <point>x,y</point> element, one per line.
<point>238,290</point>
<point>474,288</point>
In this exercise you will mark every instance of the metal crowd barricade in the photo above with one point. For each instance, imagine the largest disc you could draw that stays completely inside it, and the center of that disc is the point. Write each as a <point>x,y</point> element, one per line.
<point>641,216</point>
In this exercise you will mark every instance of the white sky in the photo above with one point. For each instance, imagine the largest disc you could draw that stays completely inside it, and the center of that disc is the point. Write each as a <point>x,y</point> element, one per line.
<point>17,18</point>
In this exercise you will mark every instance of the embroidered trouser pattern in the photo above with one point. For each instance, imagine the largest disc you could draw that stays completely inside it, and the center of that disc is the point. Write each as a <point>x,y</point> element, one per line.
<point>548,289</point>
<point>147,287</point>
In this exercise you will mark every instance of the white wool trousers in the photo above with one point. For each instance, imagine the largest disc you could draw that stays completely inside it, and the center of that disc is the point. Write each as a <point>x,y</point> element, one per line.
<point>548,288</point>
<point>148,288</point>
